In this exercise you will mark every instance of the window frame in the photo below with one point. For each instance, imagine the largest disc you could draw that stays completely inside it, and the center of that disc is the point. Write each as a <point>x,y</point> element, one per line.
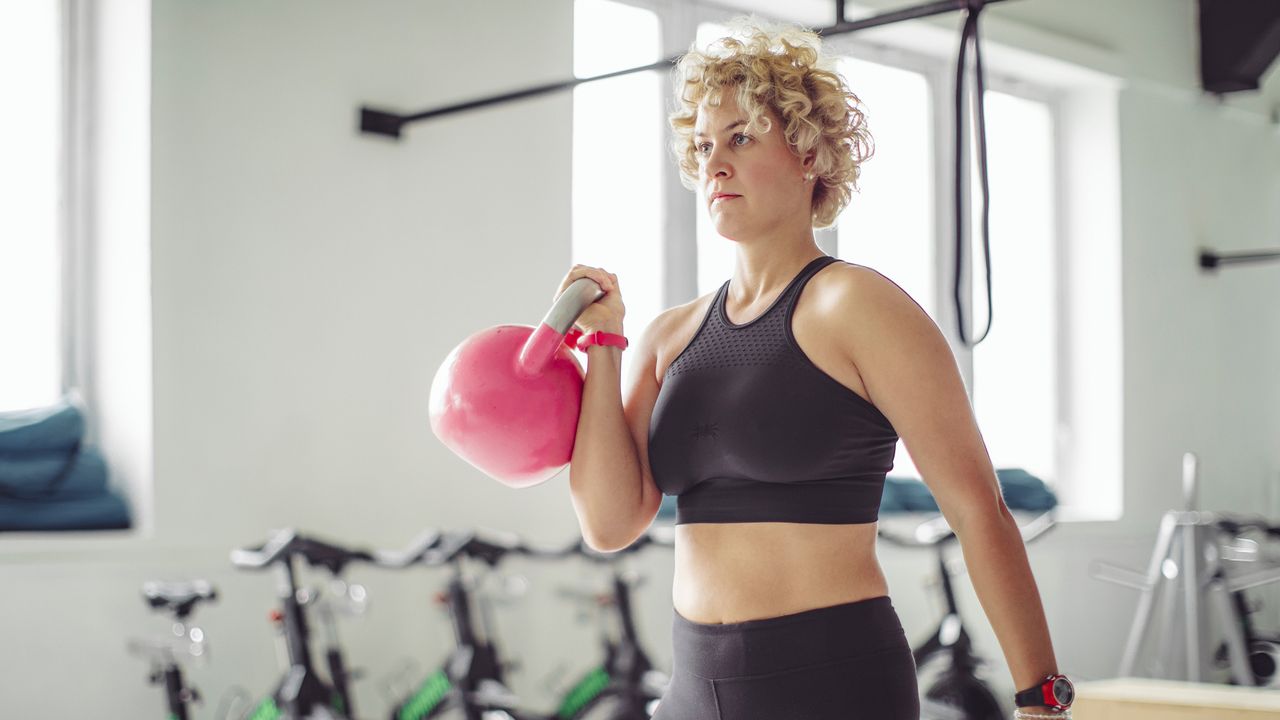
<point>75,207</point>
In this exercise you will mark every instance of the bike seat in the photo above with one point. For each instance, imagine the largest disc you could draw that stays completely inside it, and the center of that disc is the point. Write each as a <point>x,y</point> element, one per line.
<point>180,598</point>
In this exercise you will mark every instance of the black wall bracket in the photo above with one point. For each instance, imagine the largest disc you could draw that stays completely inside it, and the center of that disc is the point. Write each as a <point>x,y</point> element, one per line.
<point>1210,260</point>
<point>385,122</point>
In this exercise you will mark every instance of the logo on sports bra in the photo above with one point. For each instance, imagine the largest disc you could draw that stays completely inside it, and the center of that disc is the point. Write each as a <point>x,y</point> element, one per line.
<point>705,430</point>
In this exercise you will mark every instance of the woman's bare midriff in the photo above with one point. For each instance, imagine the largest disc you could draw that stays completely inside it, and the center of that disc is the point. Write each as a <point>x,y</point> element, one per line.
<point>732,572</point>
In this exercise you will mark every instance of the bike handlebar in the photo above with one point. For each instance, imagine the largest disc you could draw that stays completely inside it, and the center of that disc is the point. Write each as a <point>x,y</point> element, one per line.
<point>936,530</point>
<point>418,547</point>
<point>287,543</point>
<point>661,535</point>
<point>440,547</point>
<point>435,547</point>
<point>1236,524</point>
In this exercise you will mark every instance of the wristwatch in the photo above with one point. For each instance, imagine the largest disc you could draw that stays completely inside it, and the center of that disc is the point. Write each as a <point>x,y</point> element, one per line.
<point>1055,692</point>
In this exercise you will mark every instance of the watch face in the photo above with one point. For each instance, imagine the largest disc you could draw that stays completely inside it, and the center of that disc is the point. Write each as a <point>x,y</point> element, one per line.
<point>1063,691</point>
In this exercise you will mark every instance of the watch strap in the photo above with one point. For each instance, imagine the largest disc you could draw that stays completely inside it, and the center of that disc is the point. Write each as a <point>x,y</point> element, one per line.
<point>1030,697</point>
<point>577,340</point>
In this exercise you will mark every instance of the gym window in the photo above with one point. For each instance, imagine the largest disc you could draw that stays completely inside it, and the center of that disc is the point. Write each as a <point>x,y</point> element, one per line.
<point>618,155</point>
<point>75,285</point>
<point>1045,384</point>
<point>31,227</point>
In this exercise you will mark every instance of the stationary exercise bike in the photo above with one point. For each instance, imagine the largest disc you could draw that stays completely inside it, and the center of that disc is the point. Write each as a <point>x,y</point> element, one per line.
<point>1263,650</point>
<point>178,599</point>
<point>625,685</point>
<point>956,692</point>
<point>301,692</point>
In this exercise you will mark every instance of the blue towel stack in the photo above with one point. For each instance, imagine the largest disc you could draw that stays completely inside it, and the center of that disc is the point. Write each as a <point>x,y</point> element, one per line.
<point>667,510</point>
<point>906,494</point>
<point>1024,491</point>
<point>48,480</point>
<point>1021,490</point>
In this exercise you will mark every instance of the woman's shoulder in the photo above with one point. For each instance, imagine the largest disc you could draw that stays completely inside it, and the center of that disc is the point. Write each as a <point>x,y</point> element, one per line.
<point>847,284</point>
<point>863,309</point>
<point>843,272</point>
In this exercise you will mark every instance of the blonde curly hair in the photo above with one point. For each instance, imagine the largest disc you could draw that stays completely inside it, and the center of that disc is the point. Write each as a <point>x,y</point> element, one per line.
<point>780,67</point>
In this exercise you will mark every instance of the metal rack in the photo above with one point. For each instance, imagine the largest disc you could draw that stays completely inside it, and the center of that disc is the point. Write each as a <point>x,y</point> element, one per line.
<point>1188,563</point>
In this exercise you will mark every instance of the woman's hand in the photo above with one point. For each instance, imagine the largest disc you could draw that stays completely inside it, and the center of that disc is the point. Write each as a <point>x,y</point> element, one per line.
<point>604,314</point>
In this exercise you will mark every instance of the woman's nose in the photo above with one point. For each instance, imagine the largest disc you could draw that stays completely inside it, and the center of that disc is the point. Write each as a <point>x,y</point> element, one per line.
<point>716,163</point>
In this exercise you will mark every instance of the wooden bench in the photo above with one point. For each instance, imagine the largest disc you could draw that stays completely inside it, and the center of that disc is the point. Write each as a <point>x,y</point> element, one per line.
<point>1153,699</point>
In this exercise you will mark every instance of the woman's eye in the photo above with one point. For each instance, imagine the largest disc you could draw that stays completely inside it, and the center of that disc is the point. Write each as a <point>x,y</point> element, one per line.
<point>703,148</point>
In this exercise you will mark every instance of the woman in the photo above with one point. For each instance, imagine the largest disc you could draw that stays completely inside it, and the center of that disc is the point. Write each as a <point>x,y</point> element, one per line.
<point>772,408</point>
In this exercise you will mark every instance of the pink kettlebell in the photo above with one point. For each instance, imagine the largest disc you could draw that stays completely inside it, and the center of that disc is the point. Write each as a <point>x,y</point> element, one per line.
<point>507,399</point>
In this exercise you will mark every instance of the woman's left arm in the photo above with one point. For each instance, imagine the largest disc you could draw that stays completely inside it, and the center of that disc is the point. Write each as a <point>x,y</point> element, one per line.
<point>911,375</point>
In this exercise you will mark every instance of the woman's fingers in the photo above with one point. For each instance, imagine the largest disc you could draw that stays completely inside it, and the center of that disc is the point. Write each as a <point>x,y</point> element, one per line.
<point>606,280</point>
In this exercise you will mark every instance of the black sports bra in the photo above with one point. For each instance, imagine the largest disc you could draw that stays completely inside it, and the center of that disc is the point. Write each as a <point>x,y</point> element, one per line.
<point>747,429</point>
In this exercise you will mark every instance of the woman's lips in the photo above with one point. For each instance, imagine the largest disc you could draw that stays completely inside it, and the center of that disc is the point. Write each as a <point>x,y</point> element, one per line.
<point>725,197</point>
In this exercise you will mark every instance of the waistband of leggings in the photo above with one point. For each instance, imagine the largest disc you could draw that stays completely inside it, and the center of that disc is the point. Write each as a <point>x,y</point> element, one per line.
<point>866,609</point>
<point>837,632</point>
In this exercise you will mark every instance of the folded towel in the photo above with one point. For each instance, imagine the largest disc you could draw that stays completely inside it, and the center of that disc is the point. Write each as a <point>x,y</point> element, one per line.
<point>907,494</point>
<point>1021,490</point>
<point>107,511</point>
<point>55,427</point>
<point>891,500</point>
<point>52,475</point>
<point>667,510</point>
<point>1024,491</point>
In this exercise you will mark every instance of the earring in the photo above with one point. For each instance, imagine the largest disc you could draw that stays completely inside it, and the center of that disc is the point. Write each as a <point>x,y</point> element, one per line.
<point>808,177</point>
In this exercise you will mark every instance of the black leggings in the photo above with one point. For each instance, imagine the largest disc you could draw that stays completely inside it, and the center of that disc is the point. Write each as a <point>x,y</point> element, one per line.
<point>849,661</point>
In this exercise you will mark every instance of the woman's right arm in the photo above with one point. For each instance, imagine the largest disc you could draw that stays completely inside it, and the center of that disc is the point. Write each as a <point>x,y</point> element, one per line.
<point>612,487</point>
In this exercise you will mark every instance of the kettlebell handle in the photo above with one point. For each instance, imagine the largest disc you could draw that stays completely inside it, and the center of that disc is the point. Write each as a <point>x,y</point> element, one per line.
<point>574,301</point>
<point>547,337</point>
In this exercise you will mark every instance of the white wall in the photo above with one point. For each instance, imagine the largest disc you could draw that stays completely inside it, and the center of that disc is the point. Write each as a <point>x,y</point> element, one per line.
<point>306,280</point>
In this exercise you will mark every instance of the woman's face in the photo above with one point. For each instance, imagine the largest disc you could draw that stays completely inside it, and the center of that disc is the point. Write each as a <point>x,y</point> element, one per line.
<point>758,167</point>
